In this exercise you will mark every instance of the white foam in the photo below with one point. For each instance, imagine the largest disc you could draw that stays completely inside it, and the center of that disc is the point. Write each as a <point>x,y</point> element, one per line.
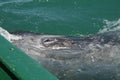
<point>8,36</point>
<point>14,1</point>
<point>110,26</point>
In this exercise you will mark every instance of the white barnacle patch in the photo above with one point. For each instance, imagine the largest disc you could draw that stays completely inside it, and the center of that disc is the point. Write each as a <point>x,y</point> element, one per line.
<point>102,40</point>
<point>91,46</point>
<point>57,47</point>
<point>98,46</point>
<point>107,45</point>
<point>92,59</point>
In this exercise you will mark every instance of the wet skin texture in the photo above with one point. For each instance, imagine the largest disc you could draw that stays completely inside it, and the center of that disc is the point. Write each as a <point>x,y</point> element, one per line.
<point>92,57</point>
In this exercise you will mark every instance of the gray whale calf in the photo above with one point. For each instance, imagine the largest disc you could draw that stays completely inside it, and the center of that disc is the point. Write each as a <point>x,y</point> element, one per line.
<point>92,57</point>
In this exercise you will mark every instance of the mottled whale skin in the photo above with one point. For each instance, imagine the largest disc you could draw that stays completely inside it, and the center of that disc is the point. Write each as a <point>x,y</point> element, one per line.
<point>92,57</point>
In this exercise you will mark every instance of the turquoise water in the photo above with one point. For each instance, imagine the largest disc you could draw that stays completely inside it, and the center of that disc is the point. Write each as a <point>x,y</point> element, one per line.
<point>66,17</point>
<point>63,17</point>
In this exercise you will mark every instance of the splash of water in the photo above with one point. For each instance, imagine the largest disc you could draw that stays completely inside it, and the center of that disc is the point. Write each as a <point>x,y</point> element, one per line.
<point>8,36</point>
<point>110,26</point>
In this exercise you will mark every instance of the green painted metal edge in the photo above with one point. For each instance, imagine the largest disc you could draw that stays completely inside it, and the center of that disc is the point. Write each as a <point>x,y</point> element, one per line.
<point>4,75</point>
<point>20,64</point>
